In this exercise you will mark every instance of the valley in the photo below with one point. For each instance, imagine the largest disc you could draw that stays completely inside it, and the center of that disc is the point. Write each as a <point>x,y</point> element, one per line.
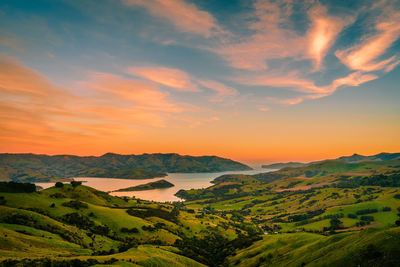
<point>329,213</point>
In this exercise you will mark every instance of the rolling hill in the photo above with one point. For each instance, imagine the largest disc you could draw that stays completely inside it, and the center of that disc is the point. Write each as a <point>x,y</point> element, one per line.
<point>331,213</point>
<point>44,168</point>
<point>353,158</point>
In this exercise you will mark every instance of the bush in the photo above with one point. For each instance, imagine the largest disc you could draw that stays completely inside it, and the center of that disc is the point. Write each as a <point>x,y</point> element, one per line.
<point>59,184</point>
<point>386,209</point>
<point>2,200</point>
<point>148,228</point>
<point>367,218</point>
<point>57,195</point>
<point>81,221</point>
<point>75,204</point>
<point>366,211</point>
<point>75,183</point>
<point>133,230</point>
<point>352,216</point>
<point>14,187</point>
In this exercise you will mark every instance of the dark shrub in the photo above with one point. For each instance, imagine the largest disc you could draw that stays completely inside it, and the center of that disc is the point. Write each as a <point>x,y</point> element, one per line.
<point>367,218</point>
<point>75,183</point>
<point>133,230</point>
<point>57,195</point>
<point>75,204</point>
<point>366,211</point>
<point>148,228</point>
<point>14,187</point>
<point>59,184</point>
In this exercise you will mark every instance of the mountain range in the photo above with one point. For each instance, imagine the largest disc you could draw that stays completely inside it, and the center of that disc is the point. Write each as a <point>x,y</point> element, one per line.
<point>45,168</point>
<point>353,158</point>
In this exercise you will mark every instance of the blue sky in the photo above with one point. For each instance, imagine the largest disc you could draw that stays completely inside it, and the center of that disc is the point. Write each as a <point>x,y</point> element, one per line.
<point>128,74</point>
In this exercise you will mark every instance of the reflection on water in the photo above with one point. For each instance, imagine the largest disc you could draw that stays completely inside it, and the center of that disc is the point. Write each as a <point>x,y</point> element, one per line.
<point>180,180</point>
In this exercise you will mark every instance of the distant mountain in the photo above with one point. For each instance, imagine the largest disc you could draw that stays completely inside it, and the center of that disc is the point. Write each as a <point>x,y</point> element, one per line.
<point>42,168</point>
<point>353,158</point>
<point>283,165</point>
<point>377,157</point>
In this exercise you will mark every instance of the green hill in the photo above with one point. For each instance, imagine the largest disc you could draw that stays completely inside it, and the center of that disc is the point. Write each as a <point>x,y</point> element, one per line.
<point>44,168</point>
<point>353,159</point>
<point>78,223</point>
<point>330,213</point>
<point>366,248</point>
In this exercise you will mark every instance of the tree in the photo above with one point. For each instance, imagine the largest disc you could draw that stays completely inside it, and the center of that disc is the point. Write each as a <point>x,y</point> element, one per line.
<point>336,224</point>
<point>75,183</point>
<point>59,184</point>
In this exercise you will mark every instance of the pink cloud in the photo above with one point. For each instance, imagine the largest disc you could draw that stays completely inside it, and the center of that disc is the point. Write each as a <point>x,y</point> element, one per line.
<point>364,56</point>
<point>17,79</point>
<point>186,17</point>
<point>221,89</point>
<point>353,79</point>
<point>264,109</point>
<point>290,80</point>
<point>312,91</point>
<point>35,112</point>
<point>170,77</point>
<point>285,101</point>
<point>323,33</point>
<point>269,40</point>
<point>143,95</point>
<point>272,41</point>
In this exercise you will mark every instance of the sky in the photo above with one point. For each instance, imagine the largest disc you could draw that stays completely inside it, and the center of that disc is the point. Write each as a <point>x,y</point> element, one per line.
<point>256,81</point>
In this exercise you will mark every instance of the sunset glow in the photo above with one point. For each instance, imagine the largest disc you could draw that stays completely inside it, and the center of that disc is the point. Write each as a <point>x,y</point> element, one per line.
<point>254,81</point>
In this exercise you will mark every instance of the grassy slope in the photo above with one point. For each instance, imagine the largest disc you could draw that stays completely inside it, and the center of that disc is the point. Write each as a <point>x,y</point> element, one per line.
<point>234,201</point>
<point>367,248</point>
<point>20,241</point>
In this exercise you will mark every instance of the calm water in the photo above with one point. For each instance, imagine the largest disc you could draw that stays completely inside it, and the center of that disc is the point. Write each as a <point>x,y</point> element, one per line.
<point>180,180</point>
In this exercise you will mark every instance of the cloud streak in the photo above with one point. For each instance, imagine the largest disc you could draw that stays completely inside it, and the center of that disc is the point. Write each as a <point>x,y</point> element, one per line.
<point>364,56</point>
<point>170,77</point>
<point>323,33</point>
<point>186,17</point>
<point>33,109</point>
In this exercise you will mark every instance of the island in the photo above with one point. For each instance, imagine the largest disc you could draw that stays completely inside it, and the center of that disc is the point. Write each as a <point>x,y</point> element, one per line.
<point>149,186</point>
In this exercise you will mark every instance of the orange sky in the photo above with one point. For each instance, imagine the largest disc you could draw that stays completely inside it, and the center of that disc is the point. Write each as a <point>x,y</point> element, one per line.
<point>255,82</point>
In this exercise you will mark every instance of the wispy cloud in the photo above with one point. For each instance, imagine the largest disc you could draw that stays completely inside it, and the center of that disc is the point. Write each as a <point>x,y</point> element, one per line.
<point>323,33</point>
<point>186,17</point>
<point>11,42</point>
<point>353,79</point>
<point>222,91</point>
<point>275,41</point>
<point>182,81</point>
<point>170,77</point>
<point>268,40</point>
<point>32,108</point>
<point>365,55</point>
